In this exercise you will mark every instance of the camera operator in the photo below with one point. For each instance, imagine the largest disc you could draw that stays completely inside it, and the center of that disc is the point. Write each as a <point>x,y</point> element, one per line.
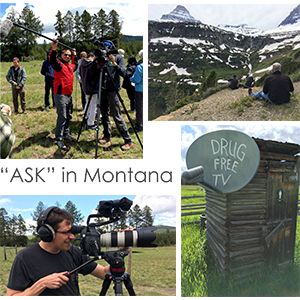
<point>63,88</point>
<point>110,102</point>
<point>90,86</point>
<point>39,269</point>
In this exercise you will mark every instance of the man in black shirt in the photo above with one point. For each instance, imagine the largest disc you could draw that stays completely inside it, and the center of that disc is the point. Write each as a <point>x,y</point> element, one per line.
<point>40,268</point>
<point>233,83</point>
<point>277,87</point>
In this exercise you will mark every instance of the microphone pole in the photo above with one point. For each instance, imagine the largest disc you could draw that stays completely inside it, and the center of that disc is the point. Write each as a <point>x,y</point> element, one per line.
<point>35,32</point>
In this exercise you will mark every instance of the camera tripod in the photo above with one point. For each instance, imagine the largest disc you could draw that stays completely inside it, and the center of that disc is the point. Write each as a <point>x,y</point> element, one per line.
<point>117,275</point>
<point>117,272</point>
<point>103,69</point>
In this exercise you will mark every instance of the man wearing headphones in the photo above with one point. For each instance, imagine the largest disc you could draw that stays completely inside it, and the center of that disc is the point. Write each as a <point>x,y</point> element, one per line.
<point>41,268</point>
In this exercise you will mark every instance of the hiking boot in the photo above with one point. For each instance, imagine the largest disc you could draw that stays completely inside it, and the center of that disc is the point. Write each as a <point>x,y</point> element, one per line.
<point>69,138</point>
<point>61,144</point>
<point>92,127</point>
<point>25,112</point>
<point>47,108</point>
<point>104,140</point>
<point>250,92</point>
<point>126,147</point>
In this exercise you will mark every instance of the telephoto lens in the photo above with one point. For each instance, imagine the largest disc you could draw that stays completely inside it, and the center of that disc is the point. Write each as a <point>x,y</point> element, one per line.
<point>133,238</point>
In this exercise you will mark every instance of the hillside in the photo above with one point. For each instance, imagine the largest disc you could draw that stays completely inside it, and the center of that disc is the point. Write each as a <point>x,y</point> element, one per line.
<point>236,105</point>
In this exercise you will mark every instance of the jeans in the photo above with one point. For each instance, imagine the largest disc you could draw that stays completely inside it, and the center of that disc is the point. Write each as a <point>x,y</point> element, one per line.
<point>110,104</point>
<point>262,94</point>
<point>48,87</point>
<point>64,109</point>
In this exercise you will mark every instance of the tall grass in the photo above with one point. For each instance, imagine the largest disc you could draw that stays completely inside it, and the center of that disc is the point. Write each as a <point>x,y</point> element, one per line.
<point>200,276</point>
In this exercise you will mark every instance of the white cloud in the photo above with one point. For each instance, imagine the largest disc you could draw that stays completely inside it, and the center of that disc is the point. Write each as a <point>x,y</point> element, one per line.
<point>4,201</point>
<point>163,207</point>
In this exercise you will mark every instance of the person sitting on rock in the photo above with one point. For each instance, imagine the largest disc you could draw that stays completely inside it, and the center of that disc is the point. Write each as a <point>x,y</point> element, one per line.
<point>233,83</point>
<point>277,87</point>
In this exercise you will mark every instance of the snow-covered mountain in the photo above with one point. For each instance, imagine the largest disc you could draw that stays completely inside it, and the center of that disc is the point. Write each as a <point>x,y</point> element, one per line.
<point>179,14</point>
<point>293,18</point>
<point>241,28</point>
<point>179,51</point>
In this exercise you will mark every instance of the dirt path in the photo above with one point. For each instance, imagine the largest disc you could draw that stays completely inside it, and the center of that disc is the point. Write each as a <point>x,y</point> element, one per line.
<point>222,106</point>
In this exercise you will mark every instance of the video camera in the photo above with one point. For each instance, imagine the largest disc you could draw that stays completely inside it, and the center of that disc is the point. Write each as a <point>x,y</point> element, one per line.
<point>91,240</point>
<point>104,50</point>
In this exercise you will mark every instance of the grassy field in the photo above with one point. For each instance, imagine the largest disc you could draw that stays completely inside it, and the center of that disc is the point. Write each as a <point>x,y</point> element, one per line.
<point>35,132</point>
<point>153,273</point>
<point>199,274</point>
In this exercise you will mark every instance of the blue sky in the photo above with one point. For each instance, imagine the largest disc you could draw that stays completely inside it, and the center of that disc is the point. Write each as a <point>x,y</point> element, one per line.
<point>277,131</point>
<point>262,16</point>
<point>131,14</point>
<point>163,207</point>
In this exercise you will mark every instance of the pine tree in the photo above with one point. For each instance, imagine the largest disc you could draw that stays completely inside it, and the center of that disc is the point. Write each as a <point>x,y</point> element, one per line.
<point>100,25</point>
<point>135,217</point>
<point>20,42</point>
<point>148,218</point>
<point>77,29</point>
<point>86,26</point>
<point>39,208</point>
<point>4,227</point>
<point>60,27</point>
<point>114,27</point>
<point>69,23</point>
<point>71,208</point>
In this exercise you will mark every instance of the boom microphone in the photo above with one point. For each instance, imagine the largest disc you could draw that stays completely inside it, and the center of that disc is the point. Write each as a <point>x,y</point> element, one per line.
<point>6,26</point>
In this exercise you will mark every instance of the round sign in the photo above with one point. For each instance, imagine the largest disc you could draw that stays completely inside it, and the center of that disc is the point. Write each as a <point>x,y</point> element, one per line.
<point>229,159</point>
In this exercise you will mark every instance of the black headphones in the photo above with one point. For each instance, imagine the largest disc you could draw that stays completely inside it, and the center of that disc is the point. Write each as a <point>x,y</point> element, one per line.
<point>45,231</point>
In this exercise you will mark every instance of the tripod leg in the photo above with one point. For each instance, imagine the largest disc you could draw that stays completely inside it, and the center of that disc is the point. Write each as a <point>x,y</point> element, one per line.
<point>128,284</point>
<point>118,286</point>
<point>84,118</point>
<point>124,107</point>
<point>98,110</point>
<point>106,284</point>
<point>86,109</point>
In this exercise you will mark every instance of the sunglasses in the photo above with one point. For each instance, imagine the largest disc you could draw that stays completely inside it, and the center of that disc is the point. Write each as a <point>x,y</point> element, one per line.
<point>64,232</point>
<point>68,55</point>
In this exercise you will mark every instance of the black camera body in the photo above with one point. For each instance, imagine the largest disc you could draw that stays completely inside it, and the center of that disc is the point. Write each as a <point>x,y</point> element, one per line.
<point>104,50</point>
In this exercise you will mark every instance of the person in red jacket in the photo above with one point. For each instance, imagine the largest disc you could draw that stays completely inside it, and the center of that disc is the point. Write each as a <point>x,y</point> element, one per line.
<point>62,90</point>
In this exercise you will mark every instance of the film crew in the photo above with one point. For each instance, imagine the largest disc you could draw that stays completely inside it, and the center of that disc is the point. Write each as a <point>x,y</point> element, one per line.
<point>90,86</point>
<point>63,88</point>
<point>16,76</point>
<point>110,102</point>
<point>41,268</point>
<point>130,89</point>
<point>277,87</point>
<point>48,72</point>
<point>83,55</point>
<point>7,135</point>
<point>137,79</point>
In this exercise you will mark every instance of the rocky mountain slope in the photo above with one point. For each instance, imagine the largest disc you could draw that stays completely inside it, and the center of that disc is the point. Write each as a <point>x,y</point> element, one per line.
<point>230,105</point>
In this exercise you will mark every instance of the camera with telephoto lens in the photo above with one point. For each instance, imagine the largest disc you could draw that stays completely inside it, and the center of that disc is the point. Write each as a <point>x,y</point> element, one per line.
<point>104,50</point>
<point>91,240</point>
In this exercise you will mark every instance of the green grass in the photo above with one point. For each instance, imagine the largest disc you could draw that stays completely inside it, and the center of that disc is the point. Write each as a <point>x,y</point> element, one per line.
<point>153,273</point>
<point>200,276</point>
<point>35,132</point>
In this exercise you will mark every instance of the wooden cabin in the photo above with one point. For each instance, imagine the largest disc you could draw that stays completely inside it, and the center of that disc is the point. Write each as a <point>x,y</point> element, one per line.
<point>256,225</point>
